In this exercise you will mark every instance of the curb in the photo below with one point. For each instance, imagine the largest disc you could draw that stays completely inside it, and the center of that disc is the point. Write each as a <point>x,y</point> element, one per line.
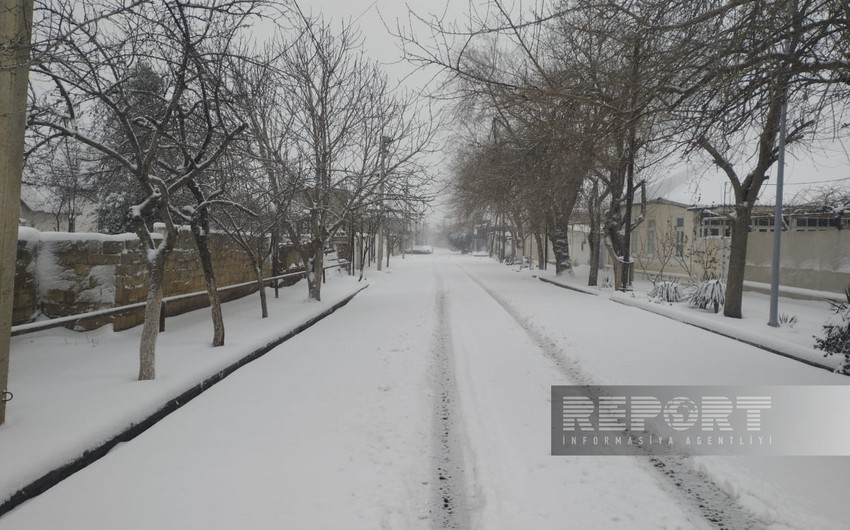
<point>568,287</point>
<point>52,478</point>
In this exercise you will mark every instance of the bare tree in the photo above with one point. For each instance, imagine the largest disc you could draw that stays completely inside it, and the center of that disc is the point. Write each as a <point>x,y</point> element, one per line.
<point>743,64</point>
<point>61,171</point>
<point>346,123</point>
<point>249,212</point>
<point>596,78</point>
<point>88,58</point>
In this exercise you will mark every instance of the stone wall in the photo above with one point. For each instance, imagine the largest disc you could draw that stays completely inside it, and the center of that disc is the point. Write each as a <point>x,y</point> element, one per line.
<point>60,274</point>
<point>25,297</point>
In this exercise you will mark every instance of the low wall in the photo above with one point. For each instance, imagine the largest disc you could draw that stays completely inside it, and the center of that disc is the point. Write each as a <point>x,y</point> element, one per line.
<point>61,274</point>
<point>818,260</point>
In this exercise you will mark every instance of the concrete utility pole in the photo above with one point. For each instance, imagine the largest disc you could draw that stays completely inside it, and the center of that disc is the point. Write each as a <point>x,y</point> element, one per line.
<point>773,317</point>
<point>385,142</point>
<point>15,31</point>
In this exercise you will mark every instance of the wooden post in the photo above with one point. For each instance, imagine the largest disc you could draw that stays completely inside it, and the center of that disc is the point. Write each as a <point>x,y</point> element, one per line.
<point>15,30</point>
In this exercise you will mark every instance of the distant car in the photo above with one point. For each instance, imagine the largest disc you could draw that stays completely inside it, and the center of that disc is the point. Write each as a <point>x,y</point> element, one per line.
<point>421,249</point>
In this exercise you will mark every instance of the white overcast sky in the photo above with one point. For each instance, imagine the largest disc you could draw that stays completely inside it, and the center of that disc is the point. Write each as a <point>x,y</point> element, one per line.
<point>829,164</point>
<point>372,15</point>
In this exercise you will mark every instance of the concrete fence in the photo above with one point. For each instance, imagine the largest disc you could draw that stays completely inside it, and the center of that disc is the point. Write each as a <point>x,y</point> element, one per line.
<point>818,260</point>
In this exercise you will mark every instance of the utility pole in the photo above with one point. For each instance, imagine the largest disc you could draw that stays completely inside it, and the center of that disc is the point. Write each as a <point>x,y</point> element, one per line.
<point>385,142</point>
<point>15,31</point>
<point>773,317</point>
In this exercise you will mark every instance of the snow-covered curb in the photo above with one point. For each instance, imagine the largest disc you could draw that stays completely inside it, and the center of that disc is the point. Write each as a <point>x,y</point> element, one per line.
<point>98,423</point>
<point>584,290</point>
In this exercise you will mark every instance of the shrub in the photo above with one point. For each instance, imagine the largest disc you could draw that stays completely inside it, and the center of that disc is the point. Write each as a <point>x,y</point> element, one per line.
<point>666,292</point>
<point>836,339</point>
<point>709,294</point>
<point>787,320</point>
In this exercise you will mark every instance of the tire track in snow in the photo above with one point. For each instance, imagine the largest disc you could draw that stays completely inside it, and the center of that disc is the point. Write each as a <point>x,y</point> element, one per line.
<point>448,502</point>
<point>681,480</point>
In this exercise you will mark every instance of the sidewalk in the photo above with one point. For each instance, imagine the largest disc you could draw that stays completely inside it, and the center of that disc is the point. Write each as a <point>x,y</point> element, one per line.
<point>75,391</point>
<point>795,342</point>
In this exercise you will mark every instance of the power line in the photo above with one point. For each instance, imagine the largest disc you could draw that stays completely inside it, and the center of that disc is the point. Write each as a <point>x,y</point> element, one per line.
<point>806,183</point>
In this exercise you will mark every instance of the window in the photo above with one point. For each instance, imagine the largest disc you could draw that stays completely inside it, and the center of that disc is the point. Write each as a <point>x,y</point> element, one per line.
<point>680,237</point>
<point>650,237</point>
<point>762,224</point>
<point>716,226</point>
<point>814,223</point>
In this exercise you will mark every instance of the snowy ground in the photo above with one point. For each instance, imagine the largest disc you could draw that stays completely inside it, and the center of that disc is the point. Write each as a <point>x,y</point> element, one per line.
<point>424,403</point>
<point>73,391</point>
<point>796,339</point>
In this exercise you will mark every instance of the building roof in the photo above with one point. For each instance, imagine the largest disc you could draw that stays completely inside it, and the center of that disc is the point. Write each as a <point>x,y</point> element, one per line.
<point>37,199</point>
<point>662,200</point>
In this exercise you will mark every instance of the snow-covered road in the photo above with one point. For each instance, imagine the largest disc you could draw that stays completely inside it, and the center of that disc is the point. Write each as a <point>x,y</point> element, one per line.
<point>425,404</point>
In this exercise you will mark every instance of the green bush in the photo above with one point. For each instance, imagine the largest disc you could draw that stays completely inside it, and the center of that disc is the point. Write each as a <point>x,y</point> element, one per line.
<point>836,333</point>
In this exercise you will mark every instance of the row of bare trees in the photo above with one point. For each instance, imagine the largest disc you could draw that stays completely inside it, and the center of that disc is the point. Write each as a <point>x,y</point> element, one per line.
<point>589,96</point>
<point>244,116</point>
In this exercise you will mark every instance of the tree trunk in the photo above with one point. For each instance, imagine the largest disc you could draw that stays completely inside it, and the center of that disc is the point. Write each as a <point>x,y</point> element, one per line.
<point>616,246</point>
<point>15,27</point>
<point>364,251</point>
<point>523,248</point>
<point>593,246</point>
<point>540,239</point>
<point>493,242</point>
<point>153,309</point>
<point>258,275</point>
<point>314,271</point>
<point>200,231</point>
<point>737,261</point>
<point>389,246</point>
<point>276,268</point>
<point>351,249</point>
<point>561,246</point>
